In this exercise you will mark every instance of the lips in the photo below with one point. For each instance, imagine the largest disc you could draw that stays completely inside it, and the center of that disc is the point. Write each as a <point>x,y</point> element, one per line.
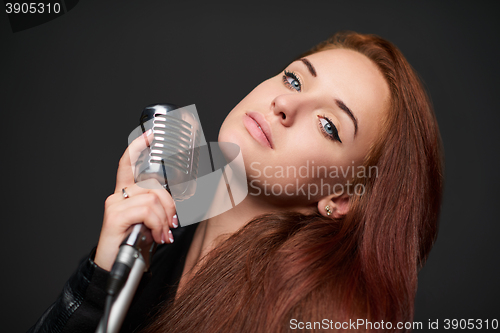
<point>259,128</point>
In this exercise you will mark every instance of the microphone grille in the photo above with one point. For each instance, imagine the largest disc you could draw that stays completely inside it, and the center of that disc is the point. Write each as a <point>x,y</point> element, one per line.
<point>174,151</point>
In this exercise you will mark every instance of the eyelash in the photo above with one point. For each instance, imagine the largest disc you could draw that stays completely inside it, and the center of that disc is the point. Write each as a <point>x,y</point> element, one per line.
<point>335,135</point>
<point>293,76</point>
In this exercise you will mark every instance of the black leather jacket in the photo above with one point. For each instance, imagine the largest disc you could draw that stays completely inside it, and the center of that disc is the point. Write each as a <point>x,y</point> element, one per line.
<point>80,305</point>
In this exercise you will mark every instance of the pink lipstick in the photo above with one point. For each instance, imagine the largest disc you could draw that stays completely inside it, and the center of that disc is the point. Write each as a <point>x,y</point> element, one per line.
<point>258,128</point>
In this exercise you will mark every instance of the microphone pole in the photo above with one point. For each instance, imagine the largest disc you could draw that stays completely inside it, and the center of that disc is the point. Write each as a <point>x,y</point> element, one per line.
<point>132,261</point>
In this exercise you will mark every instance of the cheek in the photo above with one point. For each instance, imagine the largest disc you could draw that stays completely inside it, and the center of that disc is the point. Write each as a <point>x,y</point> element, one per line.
<point>292,185</point>
<point>320,160</point>
<point>311,146</point>
<point>261,95</point>
<point>225,132</point>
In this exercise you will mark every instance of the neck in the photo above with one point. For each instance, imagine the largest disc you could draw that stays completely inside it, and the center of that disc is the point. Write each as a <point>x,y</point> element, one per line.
<point>217,228</point>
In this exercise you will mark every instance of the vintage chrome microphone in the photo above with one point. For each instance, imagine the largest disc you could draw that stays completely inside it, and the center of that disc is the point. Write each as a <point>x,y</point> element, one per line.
<point>172,159</point>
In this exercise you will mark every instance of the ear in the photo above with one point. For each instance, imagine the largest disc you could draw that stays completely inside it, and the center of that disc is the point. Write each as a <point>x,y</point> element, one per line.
<point>338,204</point>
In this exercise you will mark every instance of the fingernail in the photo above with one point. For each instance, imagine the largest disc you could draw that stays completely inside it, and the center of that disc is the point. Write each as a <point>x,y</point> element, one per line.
<point>175,221</point>
<point>162,238</point>
<point>148,132</point>
<point>170,236</point>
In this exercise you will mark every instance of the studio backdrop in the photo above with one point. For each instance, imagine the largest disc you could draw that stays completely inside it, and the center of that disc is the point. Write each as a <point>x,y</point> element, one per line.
<point>74,82</point>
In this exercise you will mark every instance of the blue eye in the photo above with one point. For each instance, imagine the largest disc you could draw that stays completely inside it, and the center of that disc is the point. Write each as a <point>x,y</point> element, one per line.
<point>329,129</point>
<point>292,81</point>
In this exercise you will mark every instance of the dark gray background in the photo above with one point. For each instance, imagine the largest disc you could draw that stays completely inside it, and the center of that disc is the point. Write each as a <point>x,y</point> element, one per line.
<point>72,89</point>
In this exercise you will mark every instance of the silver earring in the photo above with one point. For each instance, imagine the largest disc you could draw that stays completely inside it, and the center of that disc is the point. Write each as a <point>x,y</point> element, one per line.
<point>328,210</point>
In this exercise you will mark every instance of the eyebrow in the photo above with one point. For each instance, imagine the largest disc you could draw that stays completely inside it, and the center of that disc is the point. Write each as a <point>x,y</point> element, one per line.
<point>339,103</point>
<point>344,107</point>
<point>309,66</point>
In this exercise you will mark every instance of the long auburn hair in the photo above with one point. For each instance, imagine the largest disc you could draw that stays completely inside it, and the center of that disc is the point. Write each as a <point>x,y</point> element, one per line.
<point>364,265</point>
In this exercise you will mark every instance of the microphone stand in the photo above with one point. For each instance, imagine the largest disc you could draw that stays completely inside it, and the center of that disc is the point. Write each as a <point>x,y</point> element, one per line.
<point>132,261</point>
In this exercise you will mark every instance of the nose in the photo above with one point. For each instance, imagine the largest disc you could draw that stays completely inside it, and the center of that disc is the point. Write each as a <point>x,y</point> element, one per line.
<point>288,106</point>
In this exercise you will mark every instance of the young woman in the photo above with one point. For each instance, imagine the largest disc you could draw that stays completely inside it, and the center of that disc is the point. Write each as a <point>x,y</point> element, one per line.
<point>313,250</point>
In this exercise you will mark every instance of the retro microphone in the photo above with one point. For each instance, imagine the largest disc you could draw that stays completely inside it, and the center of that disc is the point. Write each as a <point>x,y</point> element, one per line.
<point>172,159</point>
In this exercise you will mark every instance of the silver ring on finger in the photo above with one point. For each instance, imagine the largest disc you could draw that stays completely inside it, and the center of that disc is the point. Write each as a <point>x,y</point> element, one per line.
<point>125,194</point>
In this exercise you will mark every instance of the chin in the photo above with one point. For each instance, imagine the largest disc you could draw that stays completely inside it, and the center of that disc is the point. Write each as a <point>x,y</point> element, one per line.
<point>232,137</point>
<point>229,132</point>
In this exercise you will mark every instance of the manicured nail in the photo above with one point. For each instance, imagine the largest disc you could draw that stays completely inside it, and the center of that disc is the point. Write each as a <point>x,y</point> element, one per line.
<point>148,132</point>
<point>170,236</point>
<point>175,221</point>
<point>162,238</point>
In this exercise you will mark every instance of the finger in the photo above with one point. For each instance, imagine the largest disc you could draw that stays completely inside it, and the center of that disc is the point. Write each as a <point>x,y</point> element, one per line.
<point>149,187</point>
<point>149,200</point>
<point>118,206</point>
<point>153,186</point>
<point>125,174</point>
<point>146,215</point>
<point>155,199</point>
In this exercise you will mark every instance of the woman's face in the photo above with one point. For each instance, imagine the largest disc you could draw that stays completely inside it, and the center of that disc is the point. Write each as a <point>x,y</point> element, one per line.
<point>296,129</point>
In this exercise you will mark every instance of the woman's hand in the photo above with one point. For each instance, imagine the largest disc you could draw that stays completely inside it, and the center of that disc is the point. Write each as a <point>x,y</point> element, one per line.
<point>148,202</point>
